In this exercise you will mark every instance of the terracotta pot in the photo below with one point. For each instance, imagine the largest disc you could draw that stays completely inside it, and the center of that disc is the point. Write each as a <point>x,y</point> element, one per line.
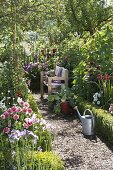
<point>65,107</point>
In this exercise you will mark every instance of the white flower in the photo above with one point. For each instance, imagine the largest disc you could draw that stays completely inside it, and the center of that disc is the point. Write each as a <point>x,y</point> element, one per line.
<point>95,95</point>
<point>19,99</point>
<point>98,102</point>
<point>99,94</point>
<point>5,62</point>
<point>95,99</point>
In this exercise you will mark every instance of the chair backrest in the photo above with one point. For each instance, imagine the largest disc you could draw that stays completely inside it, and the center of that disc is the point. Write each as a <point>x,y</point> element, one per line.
<point>64,73</point>
<point>58,71</point>
<point>61,72</point>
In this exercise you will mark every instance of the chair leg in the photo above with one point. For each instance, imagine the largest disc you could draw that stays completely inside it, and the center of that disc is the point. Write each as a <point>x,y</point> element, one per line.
<point>49,89</point>
<point>42,91</point>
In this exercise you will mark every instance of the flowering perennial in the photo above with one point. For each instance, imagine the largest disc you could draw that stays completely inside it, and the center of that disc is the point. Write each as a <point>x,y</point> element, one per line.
<point>19,121</point>
<point>105,83</point>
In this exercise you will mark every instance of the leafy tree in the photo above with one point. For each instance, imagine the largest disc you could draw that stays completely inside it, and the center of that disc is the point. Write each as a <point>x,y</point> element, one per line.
<point>87,15</point>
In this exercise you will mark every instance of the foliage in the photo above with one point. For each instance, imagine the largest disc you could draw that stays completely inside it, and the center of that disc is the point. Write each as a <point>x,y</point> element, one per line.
<point>32,74</point>
<point>98,57</point>
<point>33,104</point>
<point>66,94</point>
<point>82,81</point>
<point>100,48</point>
<point>13,83</point>
<point>87,15</point>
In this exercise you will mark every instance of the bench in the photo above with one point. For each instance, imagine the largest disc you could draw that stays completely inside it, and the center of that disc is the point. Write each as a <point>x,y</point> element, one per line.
<point>53,80</point>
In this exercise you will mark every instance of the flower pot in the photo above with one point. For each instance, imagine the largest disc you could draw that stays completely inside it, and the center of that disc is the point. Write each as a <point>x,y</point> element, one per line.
<point>65,107</point>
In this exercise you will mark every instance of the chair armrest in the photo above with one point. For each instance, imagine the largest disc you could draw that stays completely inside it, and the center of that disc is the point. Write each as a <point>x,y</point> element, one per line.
<point>56,78</point>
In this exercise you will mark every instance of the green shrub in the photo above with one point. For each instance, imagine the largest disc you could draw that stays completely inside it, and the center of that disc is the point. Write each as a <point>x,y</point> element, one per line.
<point>97,57</point>
<point>46,161</point>
<point>103,121</point>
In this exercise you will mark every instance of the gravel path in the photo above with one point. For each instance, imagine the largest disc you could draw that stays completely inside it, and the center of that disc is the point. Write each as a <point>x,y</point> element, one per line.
<point>76,151</point>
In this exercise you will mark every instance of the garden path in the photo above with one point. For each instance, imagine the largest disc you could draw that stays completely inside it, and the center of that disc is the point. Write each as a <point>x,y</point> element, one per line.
<point>76,151</point>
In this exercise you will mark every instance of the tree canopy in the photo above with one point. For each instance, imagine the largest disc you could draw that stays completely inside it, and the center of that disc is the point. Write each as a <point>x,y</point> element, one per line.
<point>87,15</point>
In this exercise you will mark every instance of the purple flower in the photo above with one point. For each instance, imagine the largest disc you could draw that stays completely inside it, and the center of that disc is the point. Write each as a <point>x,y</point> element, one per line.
<point>16,135</point>
<point>28,67</point>
<point>34,136</point>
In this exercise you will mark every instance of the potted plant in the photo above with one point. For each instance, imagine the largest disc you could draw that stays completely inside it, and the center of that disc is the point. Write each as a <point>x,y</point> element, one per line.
<point>62,102</point>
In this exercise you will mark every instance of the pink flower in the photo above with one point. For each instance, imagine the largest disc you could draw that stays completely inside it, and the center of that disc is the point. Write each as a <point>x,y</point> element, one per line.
<point>21,102</point>
<point>26,120</point>
<point>25,125</point>
<point>10,111</point>
<point>29,121</point>
<point>6,114</point>
<point>6,130</point>
<point>26,104</point>
<point>19,109</point>
<point>3,116</point>
<point>14,109</point>
<point>15,117</point>
<point>29,110</point>
<point>24,109</point>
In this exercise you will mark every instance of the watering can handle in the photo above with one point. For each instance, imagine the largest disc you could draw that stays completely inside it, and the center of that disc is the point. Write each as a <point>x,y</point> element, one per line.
<point>88,111</point>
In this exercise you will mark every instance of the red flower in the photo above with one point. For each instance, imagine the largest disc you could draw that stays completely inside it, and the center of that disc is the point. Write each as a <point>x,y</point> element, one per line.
<point>99,77</point>
<point>106,77</point>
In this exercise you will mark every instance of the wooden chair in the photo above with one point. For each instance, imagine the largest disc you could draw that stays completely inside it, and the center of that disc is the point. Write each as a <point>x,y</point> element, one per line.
<point>55,82</point>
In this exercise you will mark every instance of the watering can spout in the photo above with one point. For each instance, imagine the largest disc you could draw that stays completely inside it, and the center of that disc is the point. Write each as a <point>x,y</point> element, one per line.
<point>76,108</point>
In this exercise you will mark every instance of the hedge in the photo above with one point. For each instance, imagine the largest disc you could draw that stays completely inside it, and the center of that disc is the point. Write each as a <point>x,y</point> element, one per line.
<point>103,120</point>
